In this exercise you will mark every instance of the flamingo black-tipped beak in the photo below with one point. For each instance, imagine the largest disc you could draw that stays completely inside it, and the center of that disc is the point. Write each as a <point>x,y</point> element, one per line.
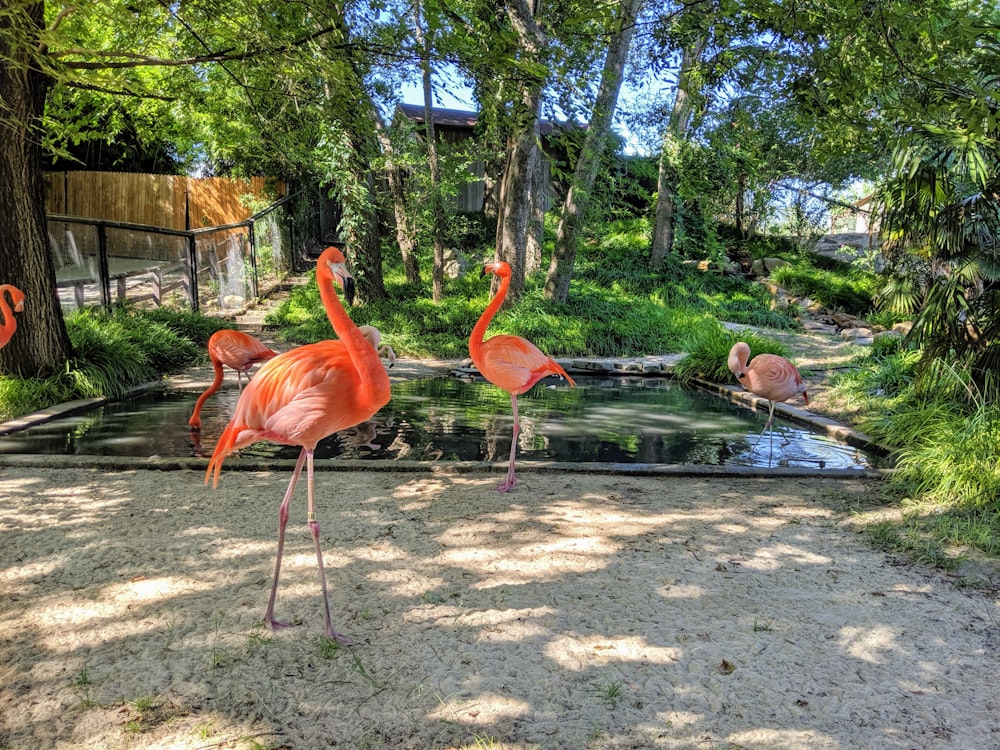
<point>482,272</point>
<point>349,289</point>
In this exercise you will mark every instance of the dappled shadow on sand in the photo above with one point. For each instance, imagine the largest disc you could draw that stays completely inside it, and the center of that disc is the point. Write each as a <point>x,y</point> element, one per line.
<point>578,611</point>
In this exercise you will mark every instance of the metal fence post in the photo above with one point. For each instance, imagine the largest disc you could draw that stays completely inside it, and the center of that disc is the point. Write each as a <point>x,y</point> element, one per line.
<point>254,281</point>
<point>192,271</point>
<point>104,275</point>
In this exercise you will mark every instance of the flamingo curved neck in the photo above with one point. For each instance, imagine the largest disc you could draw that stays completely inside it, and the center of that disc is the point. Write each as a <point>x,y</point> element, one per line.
<point>479,331</point>
<point>362,353</point>
<point>8,324</point>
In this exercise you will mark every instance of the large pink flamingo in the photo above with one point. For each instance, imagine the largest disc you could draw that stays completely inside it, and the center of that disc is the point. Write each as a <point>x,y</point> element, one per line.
<point>767,375</point>
<point>11,301</point>
<point>303,395</point>
<point>509,362</point>
<point>238,351</point>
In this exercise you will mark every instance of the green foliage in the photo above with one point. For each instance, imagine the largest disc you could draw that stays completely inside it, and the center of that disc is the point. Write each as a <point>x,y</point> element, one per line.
<point>112,352</point>
<point>708,346</point>
<point>851,292</point>
<point>617,306</point>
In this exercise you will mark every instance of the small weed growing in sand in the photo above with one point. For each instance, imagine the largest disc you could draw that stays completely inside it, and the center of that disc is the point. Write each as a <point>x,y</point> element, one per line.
<point>82,678</point>
<point>611,693</point>
<point>218,658</point>
<point>257,638</point>
<point>82,681</point>
<point>596,733</point>
<point>328,647</point>
<point>761,626</point>
<point>487,743</point>
<point>205,730</point>
<point>143,703</point>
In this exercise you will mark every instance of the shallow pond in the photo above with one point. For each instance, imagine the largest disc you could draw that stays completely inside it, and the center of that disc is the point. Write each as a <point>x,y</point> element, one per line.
<point>604,419</point>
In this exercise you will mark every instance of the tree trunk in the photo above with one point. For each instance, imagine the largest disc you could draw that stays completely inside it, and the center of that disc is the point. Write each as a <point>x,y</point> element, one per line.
<point>666,185</point>
<point>516,185</point>
<point>439,221</point>
<point>40,345</point>
<point>404,229</point>
<point>578,196</point>
<point>536,221</point>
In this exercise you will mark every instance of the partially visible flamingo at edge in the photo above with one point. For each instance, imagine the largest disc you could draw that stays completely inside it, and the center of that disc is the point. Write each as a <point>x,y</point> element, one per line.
<point>11,301</point>
<point>511,363</point>
<point>303,395</point>
<point>238,351</point>
<point>766,375</point>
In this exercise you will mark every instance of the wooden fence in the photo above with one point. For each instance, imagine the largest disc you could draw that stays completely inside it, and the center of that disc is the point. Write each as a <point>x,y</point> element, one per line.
<point>168,201</point>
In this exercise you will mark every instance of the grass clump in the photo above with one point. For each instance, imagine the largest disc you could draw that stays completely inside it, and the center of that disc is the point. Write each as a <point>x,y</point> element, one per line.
<point>847,289</point>
<point>113,352</point>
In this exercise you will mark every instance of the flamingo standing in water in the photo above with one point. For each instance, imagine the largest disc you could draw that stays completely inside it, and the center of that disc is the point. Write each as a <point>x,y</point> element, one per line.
<point>236,350</point>
<point>303,395</point>
<point>7,309</point>
<point>509,362</point>
<point>767,375</point>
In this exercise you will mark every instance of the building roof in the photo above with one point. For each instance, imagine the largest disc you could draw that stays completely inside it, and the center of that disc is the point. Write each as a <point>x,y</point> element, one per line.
<point>453,118</point>
<point>462,119</point>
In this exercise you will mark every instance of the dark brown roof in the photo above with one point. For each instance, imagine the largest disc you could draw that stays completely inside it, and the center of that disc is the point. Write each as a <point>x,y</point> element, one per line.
<point>453,118</point>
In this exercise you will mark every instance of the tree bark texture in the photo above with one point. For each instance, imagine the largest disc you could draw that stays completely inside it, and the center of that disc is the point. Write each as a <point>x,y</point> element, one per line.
<point>666,185</point>
<point>40,345</point>
<point>404,228</point>
<point>517,184</point>
<point>577,199</point>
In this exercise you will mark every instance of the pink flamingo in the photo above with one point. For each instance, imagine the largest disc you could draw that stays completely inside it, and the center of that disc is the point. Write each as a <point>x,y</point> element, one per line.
<point>236,350</point>
<point>303,395</point>
<point>768,376</point>
<point>7,309</point>
<point>509,362</point>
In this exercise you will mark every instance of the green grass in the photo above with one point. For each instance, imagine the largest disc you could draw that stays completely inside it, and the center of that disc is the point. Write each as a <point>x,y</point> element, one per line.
<point>112,352</point>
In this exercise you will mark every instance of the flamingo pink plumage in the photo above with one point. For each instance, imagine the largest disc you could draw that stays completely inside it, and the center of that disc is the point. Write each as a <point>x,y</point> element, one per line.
<point>509,362</point>
<point>303,395</point>
<point>767,375</point>
<point>238,351</point>
<point>7,309</point>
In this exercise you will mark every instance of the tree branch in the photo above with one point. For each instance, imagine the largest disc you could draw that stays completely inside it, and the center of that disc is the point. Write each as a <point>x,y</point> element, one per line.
<point>135,60</point>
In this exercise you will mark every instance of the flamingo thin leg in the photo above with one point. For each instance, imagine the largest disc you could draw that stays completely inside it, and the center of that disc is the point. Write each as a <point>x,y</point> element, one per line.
<point>282,523</point>
<point>508,484</point>
<point>314,530</point>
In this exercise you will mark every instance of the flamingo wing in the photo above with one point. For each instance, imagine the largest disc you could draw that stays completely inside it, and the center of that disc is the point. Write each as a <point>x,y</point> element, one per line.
<point>515,364</point>
<point>774,378</point>
<point>238,350</point>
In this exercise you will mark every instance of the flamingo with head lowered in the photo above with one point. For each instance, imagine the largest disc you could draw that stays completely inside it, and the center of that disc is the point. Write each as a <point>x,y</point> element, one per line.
<point>509,362</point>
<point>766,375</point>
<point>11,301</point>
<point>303,395</point>
<point>238,351</point>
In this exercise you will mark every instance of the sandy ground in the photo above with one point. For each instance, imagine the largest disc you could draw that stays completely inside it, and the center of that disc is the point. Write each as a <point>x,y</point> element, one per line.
<point>579,611</point>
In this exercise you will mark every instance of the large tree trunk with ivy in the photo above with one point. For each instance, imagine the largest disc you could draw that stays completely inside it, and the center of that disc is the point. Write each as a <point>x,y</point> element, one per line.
<point>40,345</point>
<point>666,185</point>
<point>578,196</point>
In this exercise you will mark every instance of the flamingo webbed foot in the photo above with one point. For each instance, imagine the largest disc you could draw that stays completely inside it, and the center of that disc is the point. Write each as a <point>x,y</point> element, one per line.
<point>276,624</point>
<point>343,640</point>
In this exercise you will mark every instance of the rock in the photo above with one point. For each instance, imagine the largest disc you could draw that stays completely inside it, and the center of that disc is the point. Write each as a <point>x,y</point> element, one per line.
<point>853,334</point>
<point>455,263</point>
<point>764,266</point>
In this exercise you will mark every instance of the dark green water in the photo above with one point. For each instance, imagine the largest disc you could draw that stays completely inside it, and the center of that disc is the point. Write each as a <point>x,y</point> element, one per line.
<point>606,419</point>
